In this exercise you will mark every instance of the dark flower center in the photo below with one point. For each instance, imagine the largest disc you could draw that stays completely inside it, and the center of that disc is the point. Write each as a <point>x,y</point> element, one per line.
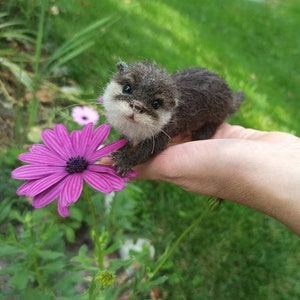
<point>76,164</point>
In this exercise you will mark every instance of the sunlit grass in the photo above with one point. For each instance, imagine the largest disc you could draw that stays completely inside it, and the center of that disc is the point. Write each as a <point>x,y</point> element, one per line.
<point>236,253</point>
<point>253,45</point>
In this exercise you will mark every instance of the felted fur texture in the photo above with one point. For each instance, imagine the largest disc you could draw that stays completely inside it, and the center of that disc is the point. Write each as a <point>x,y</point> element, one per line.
<point>148,107</point>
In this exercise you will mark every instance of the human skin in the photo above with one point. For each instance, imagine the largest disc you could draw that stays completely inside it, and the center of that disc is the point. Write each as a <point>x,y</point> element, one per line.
<point>254,168</point>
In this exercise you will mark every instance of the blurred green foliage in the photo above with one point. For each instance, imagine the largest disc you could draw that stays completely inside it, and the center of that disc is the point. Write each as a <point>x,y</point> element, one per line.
<point>235,253</point>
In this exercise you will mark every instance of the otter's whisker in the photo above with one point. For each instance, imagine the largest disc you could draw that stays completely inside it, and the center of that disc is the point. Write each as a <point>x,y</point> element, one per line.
<point>165,134</point>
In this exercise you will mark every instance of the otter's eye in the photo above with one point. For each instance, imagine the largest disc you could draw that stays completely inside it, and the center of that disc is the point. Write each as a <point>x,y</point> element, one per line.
<point>156,104</point>
<point>127,89</point>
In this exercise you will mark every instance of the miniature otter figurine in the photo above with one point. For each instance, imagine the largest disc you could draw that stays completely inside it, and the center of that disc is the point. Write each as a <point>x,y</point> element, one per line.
<point>148,107</point>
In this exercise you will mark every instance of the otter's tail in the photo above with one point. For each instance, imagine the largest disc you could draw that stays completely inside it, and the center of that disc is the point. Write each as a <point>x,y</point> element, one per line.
<point>237,100</point>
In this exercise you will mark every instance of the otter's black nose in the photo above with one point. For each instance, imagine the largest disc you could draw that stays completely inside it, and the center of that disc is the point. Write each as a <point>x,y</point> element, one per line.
<point>136,106</point>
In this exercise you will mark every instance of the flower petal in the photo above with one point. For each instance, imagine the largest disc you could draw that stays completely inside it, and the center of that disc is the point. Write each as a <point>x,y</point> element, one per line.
<point>63,137</point>
<point>98,181</point>
<point>104,182</point>
<point>106,150</point>
<point>30,172</point>
<point>44,150</point>
<point>24,187</point>
<point>71,190</point>
<point>103,169</point>
<point>40,185</point>
<point>52,142</point>
<point>81,139</point>
<point>131,174</point>
<point>39,149</point>
<point>75,138</point>
<point>116,182</point>
<point>64,211</point>
<point>47,196</point>
<point>42,159</point>
<point>99,136</point>
<point>98,168</point>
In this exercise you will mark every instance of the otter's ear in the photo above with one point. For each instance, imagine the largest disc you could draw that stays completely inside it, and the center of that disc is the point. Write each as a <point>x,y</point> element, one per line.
<point>122,66</point>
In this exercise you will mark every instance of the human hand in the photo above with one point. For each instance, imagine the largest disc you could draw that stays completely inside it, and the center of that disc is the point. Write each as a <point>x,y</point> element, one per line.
<point>254,168</point>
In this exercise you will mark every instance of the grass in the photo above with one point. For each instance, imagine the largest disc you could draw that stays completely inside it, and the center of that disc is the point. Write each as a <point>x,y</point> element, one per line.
<point>235,253</point>
<point>253,45</point>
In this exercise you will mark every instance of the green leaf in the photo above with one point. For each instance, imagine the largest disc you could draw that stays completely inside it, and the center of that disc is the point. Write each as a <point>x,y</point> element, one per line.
<point>19,73</point>
<point>8,24</point>
<point>49,254</point>
<point>114,247</point>
<point>76,45</point>
<point>84,260</point>
<point>8,250</point>
<point>3,15</point>
<point>33,293</point>
<point>76,214</point>
<point>156,281</point>
<point>55,267</point>
<point>70,234</point>
<point>70,55</point>
<point>5,208</point>
<point>21,278</point>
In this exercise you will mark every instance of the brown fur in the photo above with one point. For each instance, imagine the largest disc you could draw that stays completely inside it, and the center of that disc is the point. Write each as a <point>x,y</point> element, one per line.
<point>160,106</point>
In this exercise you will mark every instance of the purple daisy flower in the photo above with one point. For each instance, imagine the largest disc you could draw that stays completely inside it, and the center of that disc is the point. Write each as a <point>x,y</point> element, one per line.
<point>58,167</point>
<point>84,115</point>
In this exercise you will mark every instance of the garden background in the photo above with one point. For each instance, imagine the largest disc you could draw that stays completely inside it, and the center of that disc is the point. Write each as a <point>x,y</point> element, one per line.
<point>57,54</point>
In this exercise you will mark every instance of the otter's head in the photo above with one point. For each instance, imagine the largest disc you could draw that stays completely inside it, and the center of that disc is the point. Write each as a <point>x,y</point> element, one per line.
<point>139,100</point>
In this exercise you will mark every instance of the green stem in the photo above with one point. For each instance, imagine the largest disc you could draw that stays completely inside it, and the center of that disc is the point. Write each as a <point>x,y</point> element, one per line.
<point>34,105</point>
<point>98,247</point>
<point>38,273</point>
<point>34,258</point>
<point>172,249</point>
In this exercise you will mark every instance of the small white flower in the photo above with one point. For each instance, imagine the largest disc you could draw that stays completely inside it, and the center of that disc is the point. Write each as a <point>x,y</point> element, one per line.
<point>108,199</point>
<point>54,10</point>
<point>136,245</point>
<point>71,90</point>
<point>84,115</point>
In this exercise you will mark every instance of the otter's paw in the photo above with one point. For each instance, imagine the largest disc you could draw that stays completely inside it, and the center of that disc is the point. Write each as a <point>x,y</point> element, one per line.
<point>121,164</point>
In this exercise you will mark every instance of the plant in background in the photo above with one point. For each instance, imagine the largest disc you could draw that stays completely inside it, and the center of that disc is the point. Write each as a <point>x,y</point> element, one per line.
<point>13,38</point>
<point>73,47</point>
<point>33,71</point>
<point>58,168</point>
<point>62,168</point>
<point>13,32</point>
<point>235,254</point>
